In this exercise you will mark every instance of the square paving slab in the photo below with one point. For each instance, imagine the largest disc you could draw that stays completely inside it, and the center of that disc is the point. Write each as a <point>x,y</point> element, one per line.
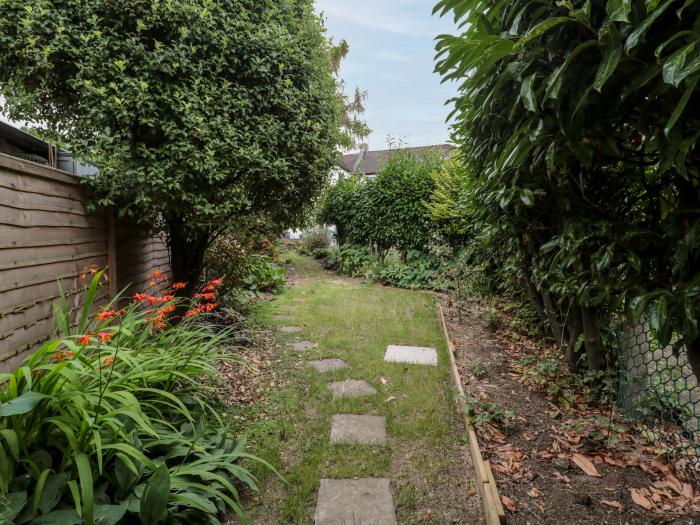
<point>328,365</point>
<point>364,430</point>
<point>291,329</point>
<point>415,355</point>
<point>304,345</point>
<point>365,501</point>
<point>351,388</point>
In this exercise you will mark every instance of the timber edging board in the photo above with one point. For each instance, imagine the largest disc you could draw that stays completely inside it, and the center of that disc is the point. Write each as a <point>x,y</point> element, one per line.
<point>491,500</point>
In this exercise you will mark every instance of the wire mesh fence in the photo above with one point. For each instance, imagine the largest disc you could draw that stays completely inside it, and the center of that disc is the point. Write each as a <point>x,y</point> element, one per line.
<point>659,390</point>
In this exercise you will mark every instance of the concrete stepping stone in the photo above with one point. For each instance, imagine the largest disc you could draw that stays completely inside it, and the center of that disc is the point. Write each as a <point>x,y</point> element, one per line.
<point>366,501</point>
<point>351,388</point>
<point>283,318</point>
<point>291,329</point>
<point>415,355</point>
<point>364,430</point>
<point>304,345</point>
<point>328,365</point>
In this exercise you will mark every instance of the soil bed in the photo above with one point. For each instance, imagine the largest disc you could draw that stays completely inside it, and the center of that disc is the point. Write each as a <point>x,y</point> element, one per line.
<point>536,458</point>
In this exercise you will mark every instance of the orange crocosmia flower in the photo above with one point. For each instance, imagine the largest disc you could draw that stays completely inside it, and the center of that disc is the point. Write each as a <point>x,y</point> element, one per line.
<point>139,296</point>
<point>105,336</point>
<point>179,286</point>
<point>108,361</point>
<point>209,288</point>
<point>60,356</point>
<point>82,276</point>
<point>216,282</point>
<point>167,309</point>
<point>205,296</point>
<point>105,315</point>
<point>152,283</point>
<point>85,340</point>
<point>158,274</point>
<point>191,313</point>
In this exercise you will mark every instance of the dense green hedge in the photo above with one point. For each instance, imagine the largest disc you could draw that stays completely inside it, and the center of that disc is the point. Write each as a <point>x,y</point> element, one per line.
<point>387,212</point>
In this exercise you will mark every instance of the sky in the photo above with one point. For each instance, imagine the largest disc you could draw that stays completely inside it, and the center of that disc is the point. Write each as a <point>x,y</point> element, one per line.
<point>392,52</point>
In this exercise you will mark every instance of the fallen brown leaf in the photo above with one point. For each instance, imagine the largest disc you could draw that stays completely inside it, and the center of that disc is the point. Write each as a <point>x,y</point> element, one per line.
<point>640,499</point>
<point>471,490</point>
<point>614,503</point>
<point>508,503</point>
<point>585,464</point>
<point>534,492</point>
<point>390,398</point>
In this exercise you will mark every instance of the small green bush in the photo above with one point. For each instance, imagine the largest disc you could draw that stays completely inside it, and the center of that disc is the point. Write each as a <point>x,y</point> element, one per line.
<point>314,239</point>
<point>264,275</point>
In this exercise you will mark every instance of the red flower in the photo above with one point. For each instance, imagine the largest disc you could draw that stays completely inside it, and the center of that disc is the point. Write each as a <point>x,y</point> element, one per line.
<point>191,313</point>
<point>205,296</point>
<point>216,282</point>
<point>105,336</point>
<point>139,296</point>
<point>60,356</point>
<point>179,286</point>
<point>108,361</point>
<point>85,340</point>
<point>106,315</point>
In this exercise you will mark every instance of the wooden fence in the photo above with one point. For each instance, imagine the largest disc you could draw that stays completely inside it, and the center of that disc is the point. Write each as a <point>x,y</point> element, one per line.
<point>46,235</point>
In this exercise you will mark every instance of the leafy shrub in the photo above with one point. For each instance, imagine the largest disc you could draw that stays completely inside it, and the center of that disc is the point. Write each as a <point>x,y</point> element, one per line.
<point>229,257</point>
<point>357,261</point>
<point>264,275</point>
<point>417,271</point>
<point>113,420</point>
<point>314,239</point>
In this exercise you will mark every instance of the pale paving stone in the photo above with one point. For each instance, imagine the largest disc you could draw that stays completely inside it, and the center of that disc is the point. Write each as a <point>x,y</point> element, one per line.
<point>291,329</point>
<point>364,430</point>
<point>411,354</point>
<point>351,388</point>
<point>283,318</point>
<point>328,365</point>
<point>304,345</point>
<point>365,501</point>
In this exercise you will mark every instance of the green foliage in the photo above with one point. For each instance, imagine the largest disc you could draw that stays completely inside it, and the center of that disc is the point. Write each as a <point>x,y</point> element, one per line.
<point>576,121</point>
<point>198,114</point>
<point>417,270</point>
<point>315,238</point>
<point>264,275</point>
<point>386,212</point>
<point>119,425</point>
<point>481,411</point>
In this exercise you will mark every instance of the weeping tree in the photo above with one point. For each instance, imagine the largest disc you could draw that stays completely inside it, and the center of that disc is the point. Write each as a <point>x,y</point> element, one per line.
<point>579,121</point>
<point>197,114</point>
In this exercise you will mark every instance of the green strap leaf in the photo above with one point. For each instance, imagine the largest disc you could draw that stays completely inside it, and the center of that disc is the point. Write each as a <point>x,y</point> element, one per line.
<point>542,28</point>
<point>85,475</point>
<point>607,67</point>
<point>154,502</point>
<point>681,106</point>
<point>22,404</point>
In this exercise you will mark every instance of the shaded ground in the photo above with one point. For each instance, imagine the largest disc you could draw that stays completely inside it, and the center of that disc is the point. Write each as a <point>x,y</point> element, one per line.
<point>289,425</point>
<point>535,458</point>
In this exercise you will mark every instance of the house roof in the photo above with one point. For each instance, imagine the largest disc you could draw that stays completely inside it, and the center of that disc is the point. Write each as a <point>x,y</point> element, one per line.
<point>371,162</point>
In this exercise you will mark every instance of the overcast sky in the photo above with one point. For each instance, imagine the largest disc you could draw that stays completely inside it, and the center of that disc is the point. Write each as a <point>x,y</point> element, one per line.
<point>391,57</point>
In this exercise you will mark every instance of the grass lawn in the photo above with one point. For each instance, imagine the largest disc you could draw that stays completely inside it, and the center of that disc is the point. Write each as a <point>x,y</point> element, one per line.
<point>355,321</point>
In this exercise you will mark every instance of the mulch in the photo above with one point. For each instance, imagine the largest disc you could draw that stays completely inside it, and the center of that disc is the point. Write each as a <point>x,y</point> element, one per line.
<point>551,465</point>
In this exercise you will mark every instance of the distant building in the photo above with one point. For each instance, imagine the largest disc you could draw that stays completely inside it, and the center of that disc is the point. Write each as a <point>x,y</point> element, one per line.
<point>369,163</point>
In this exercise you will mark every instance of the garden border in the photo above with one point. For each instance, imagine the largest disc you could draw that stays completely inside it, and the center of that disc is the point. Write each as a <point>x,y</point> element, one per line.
<point>493,509</point>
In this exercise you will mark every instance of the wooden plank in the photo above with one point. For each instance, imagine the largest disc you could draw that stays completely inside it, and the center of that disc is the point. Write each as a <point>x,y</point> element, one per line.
<point>500,511</point>
<point>30,218</point>
<point>25,167</point>
<point>22,277</point>
<point>19,237</point>
<point>112,268</point>
<point>491,501</point>
<point>37,256</point>
<point>23,200</point>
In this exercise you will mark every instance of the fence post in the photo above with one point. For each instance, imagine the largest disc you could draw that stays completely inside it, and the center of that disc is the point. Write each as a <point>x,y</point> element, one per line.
<point>112,254</point>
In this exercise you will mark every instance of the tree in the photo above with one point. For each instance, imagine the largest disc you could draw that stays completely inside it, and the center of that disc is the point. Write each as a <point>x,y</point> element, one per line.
<point>578,122</point>
<point>196,113</point>
<point>353,129</point>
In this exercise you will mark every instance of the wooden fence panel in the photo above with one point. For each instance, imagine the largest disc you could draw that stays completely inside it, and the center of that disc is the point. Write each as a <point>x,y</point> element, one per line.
<point>46,236</point>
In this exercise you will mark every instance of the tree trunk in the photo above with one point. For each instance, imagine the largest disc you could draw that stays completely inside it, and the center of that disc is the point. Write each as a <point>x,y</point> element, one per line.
<point>187,257</point>
<point>553,318</point>
<point>574,330</point>
<point>534,297</point>
<point>595,352</point>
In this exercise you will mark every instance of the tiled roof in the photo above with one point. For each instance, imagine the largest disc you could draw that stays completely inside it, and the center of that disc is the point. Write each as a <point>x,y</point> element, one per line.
<point>370,162</point>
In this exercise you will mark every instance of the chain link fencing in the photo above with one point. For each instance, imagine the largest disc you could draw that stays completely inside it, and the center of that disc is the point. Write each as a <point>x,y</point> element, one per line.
<point>659,390</point>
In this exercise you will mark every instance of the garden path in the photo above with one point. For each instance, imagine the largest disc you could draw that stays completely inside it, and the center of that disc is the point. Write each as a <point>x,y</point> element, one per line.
<point>365,432</point>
